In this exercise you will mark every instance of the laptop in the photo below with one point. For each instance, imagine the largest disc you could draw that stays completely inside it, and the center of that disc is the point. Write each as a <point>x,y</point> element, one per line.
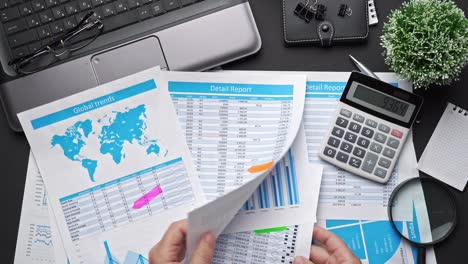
<point>182,35</point>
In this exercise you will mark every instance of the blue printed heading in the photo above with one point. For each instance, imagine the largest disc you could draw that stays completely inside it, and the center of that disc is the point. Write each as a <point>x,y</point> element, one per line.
<point>230,88</point>
<point>326,87</point>
<point>93,104</point>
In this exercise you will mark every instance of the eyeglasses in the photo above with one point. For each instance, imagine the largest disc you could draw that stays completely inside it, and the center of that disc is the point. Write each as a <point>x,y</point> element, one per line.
<point>77,38</point>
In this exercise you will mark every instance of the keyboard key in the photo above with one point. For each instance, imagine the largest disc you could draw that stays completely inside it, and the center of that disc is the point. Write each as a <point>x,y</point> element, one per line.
<point>20,52</point>
<point>147,1</point>
<point>377,148</point>
<point>358,118</point>
<point>119,20</point>
<point>22,38</point>
<point>44,32</point>
<point>9,14</point>
<point>329,152</point>
<point>97,13</point>
<point>371,123</point>
<point>108,10</point>
<point>345,112</point>
<point>350,137</point>
<point>4,4</point>
<point>363,142</point>
<point>380,137</point>
<point>15,2</point>
<point>34,47</point>
<point>384,128</point>
<point>71,8</point>
<point>346,147</point>
<point>334,142</point>
<point>170,4</point>
<point>120,6</point>
<point>359,152</point>
<point>57,27</point>
<point>355,162</point>
<point>144,12</point>
<point>355,127</point>
<point>389,153</point>
<point>385,163</point>
<point>134,3</point>
<point>379,172</point>
<point>157,8</point>
<point>369,162</point>
<point>33,21</point>
<point>50,3</point>
<point>367,132</point>
<point>46,16</point>
<point>97,2</point>
<point>397,133</point>
<point>338,132</point>
<point>342,122</point>
<point>26,9</point>
<point>38,5</point>
<point>15,26</point>
<point>84,4</point>
<point>342,157</point>
<point>393,143</point>
<point>69,22</point>
<point>58,12</point>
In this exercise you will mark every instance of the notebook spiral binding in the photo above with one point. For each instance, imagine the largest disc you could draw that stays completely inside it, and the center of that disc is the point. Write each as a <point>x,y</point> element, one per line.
<point>460,110</point>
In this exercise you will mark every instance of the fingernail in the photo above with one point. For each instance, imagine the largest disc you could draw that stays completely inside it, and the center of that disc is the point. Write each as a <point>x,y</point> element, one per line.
<point>209,239</point>
<point>299,260</point>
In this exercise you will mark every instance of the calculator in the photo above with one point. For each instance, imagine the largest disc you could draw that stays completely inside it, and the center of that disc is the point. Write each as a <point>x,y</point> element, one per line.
<point>369,127</point>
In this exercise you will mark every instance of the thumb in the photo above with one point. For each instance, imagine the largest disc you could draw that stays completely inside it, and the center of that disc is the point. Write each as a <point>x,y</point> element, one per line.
<point>301,260</point>
<point>204,251</point>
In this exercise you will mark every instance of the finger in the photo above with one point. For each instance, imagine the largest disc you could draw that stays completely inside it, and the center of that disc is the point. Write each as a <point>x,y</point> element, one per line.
<point>172,245</point>
<point>331,241</point>
<point>302,260</point>
<point>318,255</point>
<point>204,251</point>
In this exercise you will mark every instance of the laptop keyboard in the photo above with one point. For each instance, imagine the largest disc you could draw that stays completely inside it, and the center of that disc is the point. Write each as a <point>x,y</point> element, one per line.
<point>32,24</point>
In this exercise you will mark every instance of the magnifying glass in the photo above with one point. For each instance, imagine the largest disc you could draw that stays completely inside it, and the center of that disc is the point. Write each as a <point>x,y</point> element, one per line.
<point>422,211</point>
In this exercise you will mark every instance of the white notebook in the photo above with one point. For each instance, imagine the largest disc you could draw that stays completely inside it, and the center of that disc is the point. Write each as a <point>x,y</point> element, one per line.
<point>446,154</point>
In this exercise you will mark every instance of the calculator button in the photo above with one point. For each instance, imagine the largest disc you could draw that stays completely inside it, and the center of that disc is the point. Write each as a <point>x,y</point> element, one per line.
<point>389,153</point>
<point>329,152</point>
<point>350,137</point>
<point>346,147</point>
<point>384,128</point>
<point>342,122</point>
<point>358,118</point>
<point>346,113</point>
<point>363,142</point>
<point>377,148</point>
<point>355,127</point>
<point>342,157</point>
<point>397,133</point>
<point>334,142</point>
<point>367,132</point>
<point>338,132</point>
<point>355,162</point>
<point>359,152</point>
<point>369,162</point>
<point>393,143</point>
<point>379,172</point>
<point>380,137</point>
<point>371,123</point>
<point>384,163</point>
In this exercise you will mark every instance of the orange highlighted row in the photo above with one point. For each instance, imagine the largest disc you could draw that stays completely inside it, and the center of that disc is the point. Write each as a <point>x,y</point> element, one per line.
<point>261,167</point>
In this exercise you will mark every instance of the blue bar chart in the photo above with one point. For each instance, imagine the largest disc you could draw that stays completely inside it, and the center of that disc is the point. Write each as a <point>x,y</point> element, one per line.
<point>279,189</point>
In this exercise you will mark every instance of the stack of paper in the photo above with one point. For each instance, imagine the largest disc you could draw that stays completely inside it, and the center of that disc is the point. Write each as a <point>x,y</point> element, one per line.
<point>236,152</point>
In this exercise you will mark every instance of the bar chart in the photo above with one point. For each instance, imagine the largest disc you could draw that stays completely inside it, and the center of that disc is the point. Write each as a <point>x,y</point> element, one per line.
<point>279,189</point>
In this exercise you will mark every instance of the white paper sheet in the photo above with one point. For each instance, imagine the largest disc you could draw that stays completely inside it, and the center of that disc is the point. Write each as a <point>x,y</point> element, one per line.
<point>116,167</point>
<point>38,241</point>
<point>254,119</point>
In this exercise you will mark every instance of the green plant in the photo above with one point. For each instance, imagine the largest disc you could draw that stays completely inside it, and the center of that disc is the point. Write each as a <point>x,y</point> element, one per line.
<point>426,41</point>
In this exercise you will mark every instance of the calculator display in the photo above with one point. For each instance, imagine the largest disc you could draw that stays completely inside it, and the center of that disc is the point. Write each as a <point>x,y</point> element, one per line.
<point>380,102</point>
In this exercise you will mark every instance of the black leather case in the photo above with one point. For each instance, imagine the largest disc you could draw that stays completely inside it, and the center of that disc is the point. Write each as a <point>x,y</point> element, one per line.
<point>333,29</point>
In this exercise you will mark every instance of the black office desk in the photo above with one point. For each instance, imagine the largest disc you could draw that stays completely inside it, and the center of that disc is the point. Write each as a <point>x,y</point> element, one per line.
<point>14,149</point>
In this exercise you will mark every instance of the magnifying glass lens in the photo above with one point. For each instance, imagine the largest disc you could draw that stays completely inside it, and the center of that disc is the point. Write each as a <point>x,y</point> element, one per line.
<point>423,211</point>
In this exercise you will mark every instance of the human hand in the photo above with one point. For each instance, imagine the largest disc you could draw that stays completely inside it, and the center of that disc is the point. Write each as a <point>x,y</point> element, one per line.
<point>335,250</point>
<point>171,248</point>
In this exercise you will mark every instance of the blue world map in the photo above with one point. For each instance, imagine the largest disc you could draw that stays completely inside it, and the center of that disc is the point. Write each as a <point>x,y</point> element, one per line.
<point>116,130</point>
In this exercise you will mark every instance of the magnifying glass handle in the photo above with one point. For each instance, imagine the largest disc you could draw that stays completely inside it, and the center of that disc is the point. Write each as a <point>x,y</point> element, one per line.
<point>421,255</point>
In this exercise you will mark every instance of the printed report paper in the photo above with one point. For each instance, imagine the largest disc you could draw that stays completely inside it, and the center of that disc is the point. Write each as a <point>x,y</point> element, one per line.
<point>116,167</point>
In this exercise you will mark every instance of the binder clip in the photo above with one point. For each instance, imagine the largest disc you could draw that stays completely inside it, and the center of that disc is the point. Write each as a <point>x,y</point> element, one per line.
<point>345,10</point>
<point>303,11</point>
<point>320,11</point>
